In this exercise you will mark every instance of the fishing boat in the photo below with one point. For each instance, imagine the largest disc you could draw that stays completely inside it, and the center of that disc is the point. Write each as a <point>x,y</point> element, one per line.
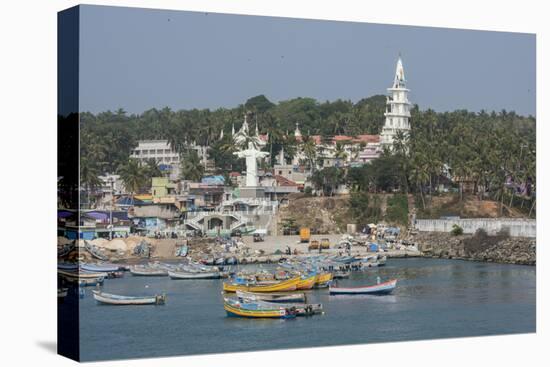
<point>79,274</point>
<point>113,299</point>
<point>341,274</point>
<point>283,286</point>
<point>323,280</point>
<point>273,297</point>
<point>89,282</point>
<point>194,275</point>
<point>377,289</point>
<point>231,261</point>
<point>306,283</point>
<point>234,308</point>
<point>94,251</point>
<point>302,309</point>
<point>106,268</point>
<point>148,271</point>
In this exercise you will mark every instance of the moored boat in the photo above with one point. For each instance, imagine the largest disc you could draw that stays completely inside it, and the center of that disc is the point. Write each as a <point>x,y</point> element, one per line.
<point>377,289</point>
<point>341,274</point>
<point>323,280</point>
<point>114,299</point>
<point>104,268</point>
<point>273,297</point>
<point>194,275</point>
<point>235,308</point>
<point>79,274</point>
<point>306,283</point>
<point>148,271</point>
<point>283,286</point>
<point>302,309</point>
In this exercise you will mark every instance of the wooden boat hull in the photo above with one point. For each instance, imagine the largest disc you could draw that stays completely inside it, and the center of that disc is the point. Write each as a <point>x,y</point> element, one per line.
<point>377,289</point>
<point>273,297</point>
<point>323,280</point>
<point>80,274</point>
<point>284,286</point>
<point>234,311</point>
<point>148,272</point>
<point>198,275</point>
<point>106,268</point>
<point>301,309</point>
<point>112,299</point>
<point>305,284</point>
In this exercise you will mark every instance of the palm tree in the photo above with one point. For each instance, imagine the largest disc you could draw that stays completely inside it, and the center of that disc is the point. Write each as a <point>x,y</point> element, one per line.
<point>152,168</point>
<point>191,166</point>
<point>340,152</point>
<point>133,176</point>
<point>309,148</point>
<point>419,175</point>
<point>89,176</point>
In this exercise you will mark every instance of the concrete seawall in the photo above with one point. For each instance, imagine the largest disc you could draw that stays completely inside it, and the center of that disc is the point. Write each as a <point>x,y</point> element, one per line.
<point>516,227</point>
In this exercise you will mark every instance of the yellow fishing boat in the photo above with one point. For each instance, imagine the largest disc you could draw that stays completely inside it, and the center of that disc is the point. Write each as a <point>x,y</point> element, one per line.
<point>236,309</point>
<point>306,283</point>
<point>284,286</point>
<point>323,279</point>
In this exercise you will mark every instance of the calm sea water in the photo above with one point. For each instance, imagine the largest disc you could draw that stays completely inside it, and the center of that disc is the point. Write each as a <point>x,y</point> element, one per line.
<point>433,299</point>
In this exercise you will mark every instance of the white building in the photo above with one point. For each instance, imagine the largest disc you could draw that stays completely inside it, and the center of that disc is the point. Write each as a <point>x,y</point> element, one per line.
<point>397,108</point>
<point>159,150</point>
<point>110,184</point>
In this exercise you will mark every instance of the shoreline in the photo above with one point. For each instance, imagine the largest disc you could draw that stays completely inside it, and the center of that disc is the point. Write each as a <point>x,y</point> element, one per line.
<point>505,250</point>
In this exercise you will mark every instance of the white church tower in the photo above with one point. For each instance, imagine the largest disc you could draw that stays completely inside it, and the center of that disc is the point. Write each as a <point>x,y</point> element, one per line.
<point>397,108</point>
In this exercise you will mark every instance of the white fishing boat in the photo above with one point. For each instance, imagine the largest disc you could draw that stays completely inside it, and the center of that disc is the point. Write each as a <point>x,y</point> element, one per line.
<point>114,299</point>
<point>377,289</point>
<point>148,271</point>
<point>194,275</point>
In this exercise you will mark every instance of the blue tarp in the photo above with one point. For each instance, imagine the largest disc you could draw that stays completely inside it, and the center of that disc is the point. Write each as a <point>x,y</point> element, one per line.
<point>129,201</point>
<point>213,180</point>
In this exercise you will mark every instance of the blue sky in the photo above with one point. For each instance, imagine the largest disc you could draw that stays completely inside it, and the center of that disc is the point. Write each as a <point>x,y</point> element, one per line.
<point>138,59</point>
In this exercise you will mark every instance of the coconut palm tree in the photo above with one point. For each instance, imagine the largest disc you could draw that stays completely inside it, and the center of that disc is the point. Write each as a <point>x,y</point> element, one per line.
<point>89,176</point>
<point>133,176</point>
<point>309,148</point>
<point>191,166</point>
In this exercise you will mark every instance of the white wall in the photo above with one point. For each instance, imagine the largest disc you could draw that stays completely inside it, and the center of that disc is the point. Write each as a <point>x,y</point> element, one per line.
<point>517,227</point>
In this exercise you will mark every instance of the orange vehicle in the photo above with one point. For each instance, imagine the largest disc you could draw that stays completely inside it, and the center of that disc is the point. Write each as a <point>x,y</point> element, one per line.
<point>305,234</point>
<point>313,245</point>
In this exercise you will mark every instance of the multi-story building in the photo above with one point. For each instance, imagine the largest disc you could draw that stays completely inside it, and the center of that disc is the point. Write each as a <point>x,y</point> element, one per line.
<point>159,150</point>
<point>397,108</point>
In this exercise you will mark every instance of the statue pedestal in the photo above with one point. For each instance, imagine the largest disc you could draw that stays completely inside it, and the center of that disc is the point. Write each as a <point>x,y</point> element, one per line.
<point>252,192</point>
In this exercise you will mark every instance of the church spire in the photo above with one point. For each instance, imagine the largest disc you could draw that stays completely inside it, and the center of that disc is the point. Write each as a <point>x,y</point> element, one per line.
<point>399,79</point>
<point>297,132</point>
<point>244,128</point>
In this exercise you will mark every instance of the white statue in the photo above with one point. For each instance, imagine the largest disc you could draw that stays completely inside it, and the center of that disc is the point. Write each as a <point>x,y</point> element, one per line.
<point>251,152</point>
<point>251,155</point>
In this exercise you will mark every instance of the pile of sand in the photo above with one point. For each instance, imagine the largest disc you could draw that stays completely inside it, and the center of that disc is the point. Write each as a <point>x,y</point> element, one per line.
<point>63,240</point>
<point>115,245</point>
<point>99,242</point>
